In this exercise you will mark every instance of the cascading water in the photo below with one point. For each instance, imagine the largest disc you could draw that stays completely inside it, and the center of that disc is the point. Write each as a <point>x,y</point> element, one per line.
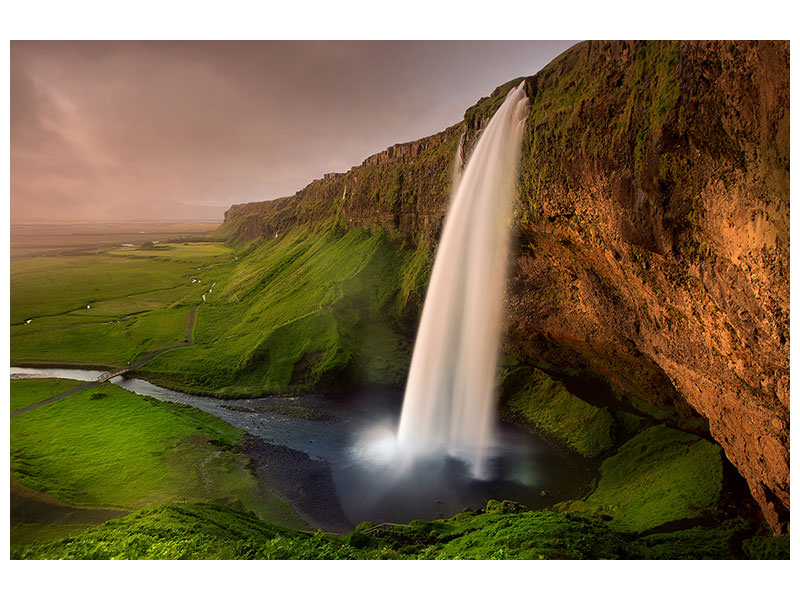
<point>449,403</point>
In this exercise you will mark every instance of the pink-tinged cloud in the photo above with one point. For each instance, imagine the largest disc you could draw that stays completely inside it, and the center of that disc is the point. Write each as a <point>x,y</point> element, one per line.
<point>181,130</point>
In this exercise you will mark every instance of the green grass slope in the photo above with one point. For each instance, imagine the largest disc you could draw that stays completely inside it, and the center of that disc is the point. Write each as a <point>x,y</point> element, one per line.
<point>538,400</point>
<point>25,392</point>
<point>313,308</point>
<point>107,447</point>
<point>307,310</point>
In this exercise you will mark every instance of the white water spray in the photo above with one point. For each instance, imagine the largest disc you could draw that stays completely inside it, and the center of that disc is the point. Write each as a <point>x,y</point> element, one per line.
<point>449,403</point>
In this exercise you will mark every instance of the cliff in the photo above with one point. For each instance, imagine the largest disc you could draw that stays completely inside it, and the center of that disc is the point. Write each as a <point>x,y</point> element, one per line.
<point>653,220</point>
<point>403,189</point>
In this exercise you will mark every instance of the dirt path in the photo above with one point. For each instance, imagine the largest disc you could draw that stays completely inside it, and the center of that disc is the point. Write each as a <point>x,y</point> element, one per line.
<point>84,386</point>
<point>190,324</point>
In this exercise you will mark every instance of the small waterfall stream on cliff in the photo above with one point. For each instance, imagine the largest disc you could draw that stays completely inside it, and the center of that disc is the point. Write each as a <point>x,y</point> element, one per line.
<point>449,402</point>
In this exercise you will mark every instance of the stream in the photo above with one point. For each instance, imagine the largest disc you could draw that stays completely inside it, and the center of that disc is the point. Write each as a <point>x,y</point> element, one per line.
<point>330,456</point>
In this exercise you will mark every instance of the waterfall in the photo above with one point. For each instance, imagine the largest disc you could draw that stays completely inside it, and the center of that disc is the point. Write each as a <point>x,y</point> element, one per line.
<point>458,163</point>
<point>449,402</point>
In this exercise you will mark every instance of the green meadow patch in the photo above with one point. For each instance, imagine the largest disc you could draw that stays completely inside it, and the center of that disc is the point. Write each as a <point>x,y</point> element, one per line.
<point>84,340</point>
<point>29,391</point>
<point>189,252</point>
<point>107,447</point>
<point>108,308</point>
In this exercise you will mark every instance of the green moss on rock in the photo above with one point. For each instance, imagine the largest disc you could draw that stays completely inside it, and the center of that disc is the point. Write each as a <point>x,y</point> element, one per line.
<point>767,548</point>
<point>629,423</point>
<point>527,536</point>
<point>550,407</point>
<point>695,543</point>
<point>659,476</point>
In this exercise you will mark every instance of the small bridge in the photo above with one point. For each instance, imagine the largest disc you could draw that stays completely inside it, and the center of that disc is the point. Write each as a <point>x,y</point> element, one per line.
<point>115,373</point>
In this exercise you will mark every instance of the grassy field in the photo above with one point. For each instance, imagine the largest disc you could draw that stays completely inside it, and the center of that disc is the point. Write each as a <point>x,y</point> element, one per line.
<point>106,308</point>
<point>28,391</point>
<point>107,447</point>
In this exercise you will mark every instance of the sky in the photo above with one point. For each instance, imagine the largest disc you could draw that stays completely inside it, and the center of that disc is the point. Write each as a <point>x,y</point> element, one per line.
<point>179,131</point>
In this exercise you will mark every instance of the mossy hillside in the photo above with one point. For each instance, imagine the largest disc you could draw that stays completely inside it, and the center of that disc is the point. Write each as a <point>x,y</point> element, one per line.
<point>24,534</point>
<point>532,397</point>
<point>722,541</point>
<point>660,476</point>
<point>107,447</point>
<point>171,531</point>
<point>197,531</point>
<point>518,534</point>
<point>307,310</point>
<point>503,531</point>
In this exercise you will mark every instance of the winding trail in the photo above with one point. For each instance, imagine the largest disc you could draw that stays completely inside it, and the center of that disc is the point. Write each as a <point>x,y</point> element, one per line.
<point>116,372</point>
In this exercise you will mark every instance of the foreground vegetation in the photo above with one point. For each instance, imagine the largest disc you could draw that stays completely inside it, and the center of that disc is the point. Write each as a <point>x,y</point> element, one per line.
<point>501,531</point>
<point>107,447</point>
<point>657,496</point>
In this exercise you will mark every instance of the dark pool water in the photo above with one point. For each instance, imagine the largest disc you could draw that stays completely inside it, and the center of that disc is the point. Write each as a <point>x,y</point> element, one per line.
<point>333,457</point>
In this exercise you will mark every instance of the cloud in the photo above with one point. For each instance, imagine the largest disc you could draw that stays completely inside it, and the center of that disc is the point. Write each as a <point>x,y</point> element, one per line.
<point>169,130</point>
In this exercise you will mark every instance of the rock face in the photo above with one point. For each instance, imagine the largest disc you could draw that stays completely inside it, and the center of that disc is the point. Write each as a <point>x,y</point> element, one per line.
<point>660,215</point>
<point>653,223</point>
<point>403,189</point>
